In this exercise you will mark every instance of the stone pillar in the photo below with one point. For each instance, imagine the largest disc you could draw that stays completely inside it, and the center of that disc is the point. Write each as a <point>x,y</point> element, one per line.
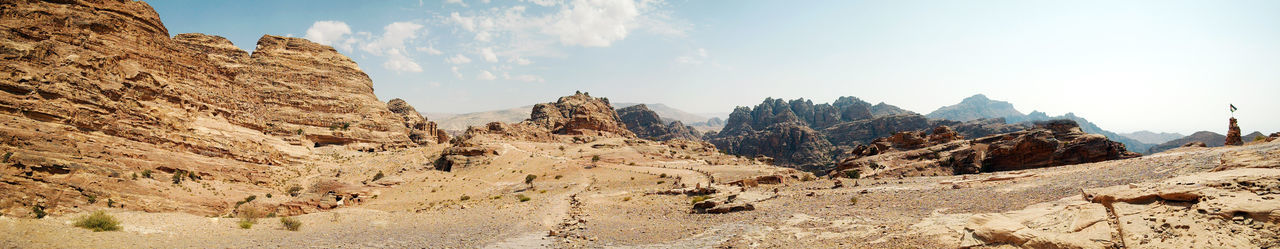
<point>1233,133</point>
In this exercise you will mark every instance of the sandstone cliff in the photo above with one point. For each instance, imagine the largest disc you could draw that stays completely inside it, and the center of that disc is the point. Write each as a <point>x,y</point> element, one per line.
<point>421,131</point>
<point>579,114</point>
<point>95,91</point>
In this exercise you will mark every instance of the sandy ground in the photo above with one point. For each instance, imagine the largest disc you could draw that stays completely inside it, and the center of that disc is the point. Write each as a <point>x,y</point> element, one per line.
<point>577,203</point>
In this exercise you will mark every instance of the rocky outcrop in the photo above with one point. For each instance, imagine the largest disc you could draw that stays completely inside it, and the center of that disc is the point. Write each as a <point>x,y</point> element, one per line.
<point>787,143</point>
<point>1233,134</point>
<point>579,114</point>
<point>864,131</point>
<point>421,131</point>
<point>98,90</point>
<point>1208,138</point>
<point>975,107</point>
<point>647,124</point>
<point>1049,143</point>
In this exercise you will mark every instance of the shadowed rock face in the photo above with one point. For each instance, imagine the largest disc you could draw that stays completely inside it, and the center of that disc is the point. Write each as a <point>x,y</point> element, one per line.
<point>648,125</point>
<point>579,114</point>
<point>1048,143</point>
<point>107,91</point>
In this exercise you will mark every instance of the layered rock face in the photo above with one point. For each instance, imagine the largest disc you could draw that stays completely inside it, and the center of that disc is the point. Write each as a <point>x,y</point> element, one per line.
<point>106,93</point>
<point>579,114</point>
<point>1049,143</point>
<point>647,124</point>
<point>1233,133</point>
<point>421,131</point>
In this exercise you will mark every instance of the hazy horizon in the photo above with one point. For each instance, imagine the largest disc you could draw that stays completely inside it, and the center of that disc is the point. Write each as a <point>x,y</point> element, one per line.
<point>1163,66</point>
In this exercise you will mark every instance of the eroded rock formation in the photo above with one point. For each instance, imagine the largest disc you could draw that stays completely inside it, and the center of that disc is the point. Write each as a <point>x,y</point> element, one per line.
<point>1049,143</point>
<point>421,131</point>
<point>96,91</point>
<point>579,114</point>
<point>647,124</point>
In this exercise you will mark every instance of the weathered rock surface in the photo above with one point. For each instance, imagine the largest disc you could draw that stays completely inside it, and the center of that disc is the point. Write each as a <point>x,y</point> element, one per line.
<point>647,124</point>
<point>579,114</point>
<point>99,91</point>
<point>1233,134</point>
<point>1235,206</point>
<point>1050,143</point>
<point>421,131</point>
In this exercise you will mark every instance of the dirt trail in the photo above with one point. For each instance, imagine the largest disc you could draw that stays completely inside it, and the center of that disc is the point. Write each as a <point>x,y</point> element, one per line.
<point>558,213</point>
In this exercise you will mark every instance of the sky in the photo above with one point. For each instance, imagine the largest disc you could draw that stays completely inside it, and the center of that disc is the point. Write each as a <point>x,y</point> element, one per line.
<point>1168,66</point>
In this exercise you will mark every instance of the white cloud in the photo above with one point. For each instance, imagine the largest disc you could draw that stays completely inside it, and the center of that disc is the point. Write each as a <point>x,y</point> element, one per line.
<point>456,73</point>
<point>458,2</point>
<point>544,3</point>
<point>519,60</point>
<point>458,59</point>
<point>594,23</point>
<point>696,58</point>
<point>397,61</point>
<point>523,77</point>
<point>430,49</point>
<point>467,23</point>
<point>393,36</point>
<point>486,75</point>
<point>489,55</point>
<point>329,33</point>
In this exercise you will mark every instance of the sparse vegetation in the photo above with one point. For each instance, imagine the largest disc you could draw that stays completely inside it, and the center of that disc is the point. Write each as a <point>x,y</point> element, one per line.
<point>464,198</point>
<point>7,155</point>
<point>807,178</point>
<point>595,158</point>
<point>245,223</point>
<point>523,198</point>
<point>268,195</point>
<point>92,199</point>
<point>697,199</point>
<point>290,223</point>
<point>299,132</point>
<point>135,176</point>
<point>628,198</point>
<point>632,163</point>
<point>98,221</point>
<point>38,211</point>
<point>146,174</point>
<point>562,148</point>
<point>528,179</point>
<point>661,182</point>
<point>177,176</point>
<point>495,197</point>
<point>1257,138</point>
<point>558,177</point>
<point>248,215</point>
<point>378,176</point>
<point>853,173</point>
<point>294,190</point>
<point>246,200</point>
<point>663,175</point>
<point>853,200</point>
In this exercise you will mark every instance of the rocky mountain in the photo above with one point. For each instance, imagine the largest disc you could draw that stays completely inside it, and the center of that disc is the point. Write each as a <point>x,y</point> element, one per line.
<point>648,124</point>
<point>976,107</point>
<point>579,114</point>
<point>882,109</point>
<point>800,134</point>
<point>668,113</point>
<point>1256,135</point>
<point>460,122</point>
<point>1209,138</point>
<point>1150,137</point>
<point>979,106</point>
<point>94,91</point>
<point>1048,143</point>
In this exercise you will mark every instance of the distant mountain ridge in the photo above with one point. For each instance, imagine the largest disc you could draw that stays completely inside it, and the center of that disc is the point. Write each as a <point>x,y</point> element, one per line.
<point>1209,138</point>
<point>459,122</point>
<point>1152,137</point>
<point>979,106</point>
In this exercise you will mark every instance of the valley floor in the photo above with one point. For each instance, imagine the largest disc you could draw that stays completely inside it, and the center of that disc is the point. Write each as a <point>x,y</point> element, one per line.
<point>577,203</point>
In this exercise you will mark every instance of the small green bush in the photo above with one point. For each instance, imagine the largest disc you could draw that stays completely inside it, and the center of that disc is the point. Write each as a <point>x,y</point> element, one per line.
<point>38,211</point>
<point>378,176</point>
<point>290,223</point>
<point>464,198</point>
<point>523,198</point>
<point>853,200</point>
<point>98,221</point>
<point>146,174</point>
<point>177,176</point>
<point>628,198</point>
<point>10,154</point>
<point>663,175</point>
<point>595,158</point>
<point>559,176</point>
<point>529,179</point>
<point>268,195</point>
<point>245,223</point>
<point>299,132</point>
<point>92,199</point>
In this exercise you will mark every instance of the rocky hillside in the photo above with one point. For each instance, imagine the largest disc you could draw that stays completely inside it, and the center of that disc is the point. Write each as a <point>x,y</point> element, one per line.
<point>943,152</point>
<point>800,134</point>
<point>579,114</point>
<point>95,92</point>
<point>1150,137</point>
<point>976,107</point>
<point>668,113</point>
<point>647,124</point>
<point>979,106</point>
<point>1209,139</point>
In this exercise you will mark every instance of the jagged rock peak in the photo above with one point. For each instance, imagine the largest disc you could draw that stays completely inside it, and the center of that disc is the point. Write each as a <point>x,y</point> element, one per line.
<point>647,124</point>
<point>579,114</point>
